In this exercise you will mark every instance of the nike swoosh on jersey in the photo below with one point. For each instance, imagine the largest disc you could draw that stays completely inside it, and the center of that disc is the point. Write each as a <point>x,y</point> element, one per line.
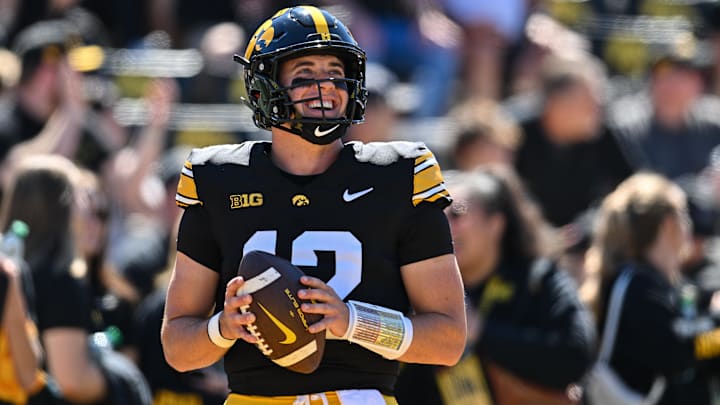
<point>320,133</point>
<point>348,196</point>
<point>290,336</point>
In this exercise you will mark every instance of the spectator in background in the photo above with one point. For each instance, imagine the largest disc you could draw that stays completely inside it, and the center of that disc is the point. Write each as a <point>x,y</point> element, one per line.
<point>381,116</point>
<point>417,41</point>
<point>141,184</point>
<point>48,112</point>
<point>672,127</point>
<point>643,230</point>
<point>700,285</point>
<point>206,386</point>
<point>701,266</point>
<point>141,251</point>
<point>529,337</point>
<point>20,375</point>
<point>113,297</point>
<point>42,195</point>
<point>568,159</point>
<point>484,134</point>
<point>489,34</point>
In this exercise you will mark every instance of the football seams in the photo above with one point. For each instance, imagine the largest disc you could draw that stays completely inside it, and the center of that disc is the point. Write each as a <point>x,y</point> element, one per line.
<point>252,328</point>
<point>251,286</point>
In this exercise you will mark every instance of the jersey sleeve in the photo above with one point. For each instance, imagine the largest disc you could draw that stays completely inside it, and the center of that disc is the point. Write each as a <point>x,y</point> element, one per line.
<point>187,194</point>
<point>428,182</point>
<point>426,236</point>
<point>196,239</point>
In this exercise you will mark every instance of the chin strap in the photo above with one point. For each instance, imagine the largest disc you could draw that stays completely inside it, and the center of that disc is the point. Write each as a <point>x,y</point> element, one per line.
<point>319,134</point>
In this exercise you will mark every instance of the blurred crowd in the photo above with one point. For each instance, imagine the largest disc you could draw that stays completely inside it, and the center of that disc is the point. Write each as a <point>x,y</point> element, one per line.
<point>579,139</point>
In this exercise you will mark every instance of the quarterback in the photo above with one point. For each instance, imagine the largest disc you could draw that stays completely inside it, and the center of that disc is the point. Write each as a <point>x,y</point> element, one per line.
<point>364,222</point>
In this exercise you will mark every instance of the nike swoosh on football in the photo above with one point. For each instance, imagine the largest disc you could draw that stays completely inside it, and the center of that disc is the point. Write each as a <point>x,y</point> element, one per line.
<point>290,337</point>
<point>320,133</point>
<point>348,196</point>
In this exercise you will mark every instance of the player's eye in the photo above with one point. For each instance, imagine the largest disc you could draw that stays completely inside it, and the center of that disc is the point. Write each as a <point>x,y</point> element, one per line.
<point>336,73</point>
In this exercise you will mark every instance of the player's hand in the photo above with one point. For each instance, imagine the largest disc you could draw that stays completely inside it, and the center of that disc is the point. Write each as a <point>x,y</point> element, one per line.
<point>336,314</point>
<point>232,321</point>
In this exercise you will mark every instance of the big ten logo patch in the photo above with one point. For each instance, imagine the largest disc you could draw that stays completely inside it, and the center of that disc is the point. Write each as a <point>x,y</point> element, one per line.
<point>246,200</point>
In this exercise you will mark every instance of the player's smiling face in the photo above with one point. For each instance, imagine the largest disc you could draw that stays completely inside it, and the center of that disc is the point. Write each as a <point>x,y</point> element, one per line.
<point>316,99</point>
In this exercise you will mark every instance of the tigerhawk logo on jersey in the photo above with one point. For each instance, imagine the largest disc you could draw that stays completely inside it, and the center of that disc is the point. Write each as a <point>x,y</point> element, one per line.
<point>300,200</point>
<point>246,200</point>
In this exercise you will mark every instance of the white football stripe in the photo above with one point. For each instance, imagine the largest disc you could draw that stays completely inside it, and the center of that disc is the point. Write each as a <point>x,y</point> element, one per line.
<point>259,282</point>
<point>428,193</point>
<point>297,355</point>
<point>187,172</point>
<point>425,164</point>
<point>185,200</point>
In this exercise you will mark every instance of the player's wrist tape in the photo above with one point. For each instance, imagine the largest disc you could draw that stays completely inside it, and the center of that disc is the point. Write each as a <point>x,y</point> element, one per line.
<point>381,330</point>
<point>213,329</point>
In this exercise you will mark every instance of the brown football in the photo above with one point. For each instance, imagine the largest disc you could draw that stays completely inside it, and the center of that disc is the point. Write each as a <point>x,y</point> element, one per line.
<point>280,324</point>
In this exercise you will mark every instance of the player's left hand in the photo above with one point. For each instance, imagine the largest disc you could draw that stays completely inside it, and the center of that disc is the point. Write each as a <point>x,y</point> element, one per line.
<point>336,314</point>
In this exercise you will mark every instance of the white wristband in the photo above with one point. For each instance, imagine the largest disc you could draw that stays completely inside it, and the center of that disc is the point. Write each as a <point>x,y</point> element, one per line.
<point>381,330</point>
<point>213,329</point>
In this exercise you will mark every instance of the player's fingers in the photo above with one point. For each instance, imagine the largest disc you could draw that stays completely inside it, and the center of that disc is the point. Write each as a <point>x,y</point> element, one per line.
<point>234,303</point>
<point>317,294</point>
<point>320,308</point>
<point>233,286</point>
<point>235,324</point>
<point>314,282</point>
<point>320,325</point>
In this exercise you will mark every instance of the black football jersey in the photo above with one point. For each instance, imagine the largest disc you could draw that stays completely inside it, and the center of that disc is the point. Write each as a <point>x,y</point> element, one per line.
<point>376,208</point>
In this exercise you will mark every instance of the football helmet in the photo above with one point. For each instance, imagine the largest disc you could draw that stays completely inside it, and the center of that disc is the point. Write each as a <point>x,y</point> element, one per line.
<point>291,33</point>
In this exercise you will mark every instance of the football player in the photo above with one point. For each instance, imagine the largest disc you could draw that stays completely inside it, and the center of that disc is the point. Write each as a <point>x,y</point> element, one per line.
<point>364,221</point>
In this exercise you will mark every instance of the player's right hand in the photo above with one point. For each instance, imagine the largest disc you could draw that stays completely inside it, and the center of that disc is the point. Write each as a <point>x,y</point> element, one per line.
<point>232,320</point>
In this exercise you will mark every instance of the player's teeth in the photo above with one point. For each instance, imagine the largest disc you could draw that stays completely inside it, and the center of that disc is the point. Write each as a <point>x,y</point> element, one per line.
<point>317,104</point>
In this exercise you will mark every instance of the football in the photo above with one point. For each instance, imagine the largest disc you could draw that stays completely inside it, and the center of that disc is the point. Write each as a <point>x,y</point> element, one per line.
<point>280,325</point>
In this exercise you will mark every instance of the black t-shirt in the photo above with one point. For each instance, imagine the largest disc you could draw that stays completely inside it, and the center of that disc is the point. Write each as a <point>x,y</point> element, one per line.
<point>676,152</point>
<point>530,319</point>
<point>568,179</point>
<point>62,299</point>
<point>378,207</point>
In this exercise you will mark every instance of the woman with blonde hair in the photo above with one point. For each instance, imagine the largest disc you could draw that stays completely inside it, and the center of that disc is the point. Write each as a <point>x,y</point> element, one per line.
<point>642,234</point>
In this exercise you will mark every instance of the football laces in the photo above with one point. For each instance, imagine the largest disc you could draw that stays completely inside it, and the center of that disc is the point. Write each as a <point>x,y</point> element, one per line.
<point>252,328</point>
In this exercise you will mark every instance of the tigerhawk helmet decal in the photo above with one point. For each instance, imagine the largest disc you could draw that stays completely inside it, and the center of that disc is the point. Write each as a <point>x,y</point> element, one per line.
<point>291,33</point>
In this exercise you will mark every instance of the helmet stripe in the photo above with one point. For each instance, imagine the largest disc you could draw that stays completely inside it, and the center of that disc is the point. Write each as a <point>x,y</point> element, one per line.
<point>321,24</point>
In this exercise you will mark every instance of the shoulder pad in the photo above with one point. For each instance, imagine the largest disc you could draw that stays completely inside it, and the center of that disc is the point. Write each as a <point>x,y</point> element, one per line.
<point>238,154</point>
<point>385,153</point>
<point>428,182</point>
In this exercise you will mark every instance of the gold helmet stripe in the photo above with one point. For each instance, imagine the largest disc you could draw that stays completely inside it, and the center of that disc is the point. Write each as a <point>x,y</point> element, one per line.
<point>321,24</point>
